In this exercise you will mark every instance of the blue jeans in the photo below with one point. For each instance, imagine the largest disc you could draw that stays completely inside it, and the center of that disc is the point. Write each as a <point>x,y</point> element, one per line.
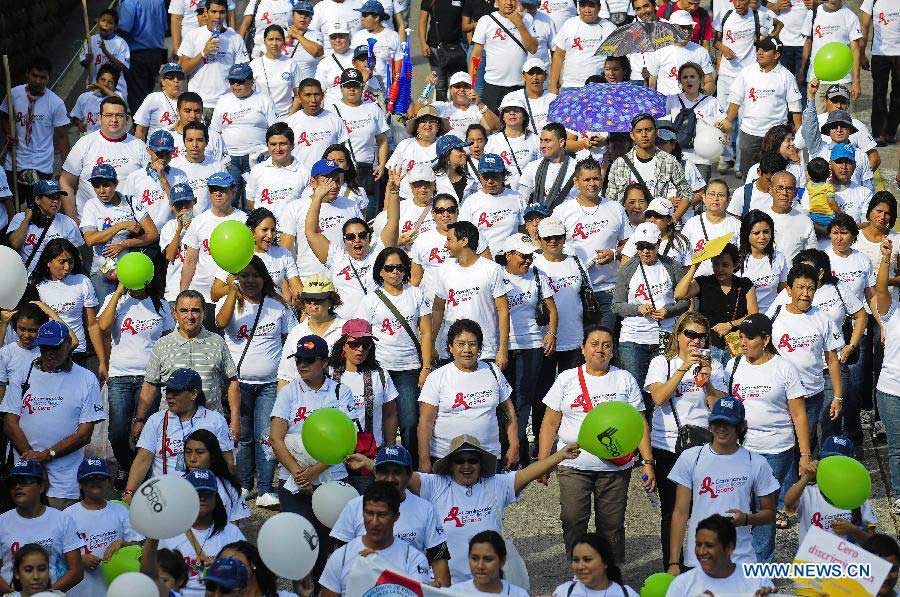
<point>102,286</point>
<point>407,384</point>
<point>813,413</point>
<point>257,400</point>
<point>837,426</point>
<point>605,298</point>
<point>763,536</point>
<point>124,392</point>
<point>522,374</point>
<point>858,396</point>
<point>635,359</point>
<point>889,409</point>
<point>238,165</point>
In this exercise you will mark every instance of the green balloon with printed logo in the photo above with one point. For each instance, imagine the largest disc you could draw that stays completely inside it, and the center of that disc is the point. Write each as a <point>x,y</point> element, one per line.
<point>844,481</point>
<point>611,430</point>
<point>656,585</point>
<point>832,62</point>
<point>126,559</point>
<point>135,271</point>
<point>231,245</point>
<point>329,435</point>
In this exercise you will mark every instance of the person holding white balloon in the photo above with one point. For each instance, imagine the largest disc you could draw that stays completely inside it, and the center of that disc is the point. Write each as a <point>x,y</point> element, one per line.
<point>690,77</point>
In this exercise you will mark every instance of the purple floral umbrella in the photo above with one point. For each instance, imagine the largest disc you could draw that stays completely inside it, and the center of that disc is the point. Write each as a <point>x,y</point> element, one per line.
<point>607,107</point>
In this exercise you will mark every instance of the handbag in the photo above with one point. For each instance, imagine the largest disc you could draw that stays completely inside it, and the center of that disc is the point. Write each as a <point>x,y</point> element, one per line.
<point>541,313</point>
<point>733,338</point>
<point>664,336</point>
<point>590,306</point>
<point>689,436</point>
<point>847,329</point>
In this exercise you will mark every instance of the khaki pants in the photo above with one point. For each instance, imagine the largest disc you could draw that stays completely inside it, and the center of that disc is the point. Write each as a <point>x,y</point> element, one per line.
<point>610,493</point>
<point>60,503</point>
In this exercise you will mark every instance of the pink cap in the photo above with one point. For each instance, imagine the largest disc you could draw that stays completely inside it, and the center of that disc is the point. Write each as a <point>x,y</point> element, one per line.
<point>357,328</point>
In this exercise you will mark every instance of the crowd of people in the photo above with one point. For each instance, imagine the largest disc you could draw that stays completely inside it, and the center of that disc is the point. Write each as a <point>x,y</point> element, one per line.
<point>466,281</point>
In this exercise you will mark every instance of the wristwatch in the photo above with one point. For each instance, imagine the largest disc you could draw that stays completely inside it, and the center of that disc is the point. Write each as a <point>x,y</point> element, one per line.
<point>646,462</point>
<point>138,420</point>
<point>52,453</point>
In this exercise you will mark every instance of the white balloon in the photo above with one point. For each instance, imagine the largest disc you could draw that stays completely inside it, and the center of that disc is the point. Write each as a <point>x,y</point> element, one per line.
<point>132,584</point>
<point>13,278</point>
<point>164,507</point>
<point>289,545</point>
<point>329,499</point>
<point>709,142</point>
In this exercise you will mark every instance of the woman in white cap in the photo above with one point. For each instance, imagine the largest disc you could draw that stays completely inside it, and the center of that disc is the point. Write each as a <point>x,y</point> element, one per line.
<point>463,106</point>
<point>415,215</point>
<point>532,331</point>
<point>673,244</point>
<point>424,129</point>
<point>514,142</point>
<point>644,297</point>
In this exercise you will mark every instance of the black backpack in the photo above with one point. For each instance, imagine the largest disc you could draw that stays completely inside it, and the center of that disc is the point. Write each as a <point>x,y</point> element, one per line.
<point>685,123</point>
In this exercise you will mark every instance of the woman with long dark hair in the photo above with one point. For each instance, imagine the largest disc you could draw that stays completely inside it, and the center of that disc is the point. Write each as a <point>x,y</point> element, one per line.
<point>452,168</point>
<point>780,139</point>
<point>759,261</point>
<point>263,582</point>
<point>594,564</point>
<point>255,323</point>
<point>487,556</point>
<point>277,75</point>
<point>202,451</point>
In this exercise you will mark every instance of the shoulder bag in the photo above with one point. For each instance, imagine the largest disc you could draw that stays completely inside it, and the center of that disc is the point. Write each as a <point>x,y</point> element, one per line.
<point>541,313</point>
<point>590,306</point>
<point>689,436</point>
<point>733,338</point>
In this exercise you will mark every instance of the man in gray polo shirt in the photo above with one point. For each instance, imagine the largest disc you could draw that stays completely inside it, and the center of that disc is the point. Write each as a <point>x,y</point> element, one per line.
<point>191,346</point>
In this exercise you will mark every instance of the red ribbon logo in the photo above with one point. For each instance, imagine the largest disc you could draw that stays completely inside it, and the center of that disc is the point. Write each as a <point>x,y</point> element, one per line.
<point>386,327</point>
<point>264,197</point>
<point>579,231</point>
<point>410,164</point>
<point>31,240</point>
<point>819,31</point>
<point>460,401</point>
<point>301,414</point>
<point>641,292</point>
<point>505,156</point>
<point>345,272</point>
<point>206,245</point>
<point>729,36</point>
<point>100,160</point>
<point>736,391</point>
<point>244,332</point>
<point>435,255</point>
<point>303,139</point>
<point>752,94</point>
<point>146,199</point>
<point>407,226</point>
<point>166,449</point>
<point>576,43</point>
<point>498,35</point>
<point>451,298</point>
<point>882,19</point>
<point>453,515</point>
<point>128,325</point>
<point>817,519</point>
<point>673,74</point>
<point>225,119</point>
<point>583,402</point>
<point>26,403</point>
<point>265,17</point>
<point>90,118</point>
<point>706,487</point>
<point>166,117</point>
<point>483,220</point>
<point>785,342</point>
<point>700,244</point>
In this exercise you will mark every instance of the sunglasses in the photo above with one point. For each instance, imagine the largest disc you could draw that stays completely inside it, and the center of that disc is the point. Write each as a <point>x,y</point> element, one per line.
<point>691,334</point>
<point>23,481</point>
<point>444,210</point>
<point>313,301</point>
<point>469,460</point>
<point>212,587</point>
<point>307,360</point>
<point>394,267</point>
<point>644,246</point>
<point>525,256</point>
<point>357,344</point>
<point>352,236</point>
<point>556,238</point>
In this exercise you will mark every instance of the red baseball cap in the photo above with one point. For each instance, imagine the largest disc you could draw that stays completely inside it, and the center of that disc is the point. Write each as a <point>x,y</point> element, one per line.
<point>357,328</point>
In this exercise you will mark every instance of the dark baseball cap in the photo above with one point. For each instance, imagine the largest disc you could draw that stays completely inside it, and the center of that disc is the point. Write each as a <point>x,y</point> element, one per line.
<point>203,480</point>
<point>229,573</point>
<point>310,347</point>
<point>837,91</point>
<point>28,469</point>
<point>52,334</point>
<point>396,454</point>
<point>184,379</point>
<point>837,445</point>
<point>728,409</point>
<point>103,172</point>
<point>93,467</point>
<point>351,76</point>
<point>770,44</point>
<point>756,325</point>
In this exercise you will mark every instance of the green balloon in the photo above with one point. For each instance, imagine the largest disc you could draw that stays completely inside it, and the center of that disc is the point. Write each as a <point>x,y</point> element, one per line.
<point>135,270</point>
<point>832,62</point>
<point>231,245</point>
<point>127,559</point>
<point>329,435</point>
<point>656,585</point>
<point>843,481</point>
<point>120,502</point>
<point>611,430</point>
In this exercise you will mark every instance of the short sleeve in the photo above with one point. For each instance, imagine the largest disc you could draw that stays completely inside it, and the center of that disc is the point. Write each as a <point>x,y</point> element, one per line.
<point>499,284</point>
<point>61,117</point>
<point>434,531</point>
<point>89,217</point>
<point>634,392</point>
<point>480,35</point>
<point>74,160</point>
<point>657,372</point>
<point>92,409</point>
<point>222,434</point>
<point>191,238</point>
<point>431,391</point>
<point>71,540</point>
<point>153,373</point>
<point>343,529</point>
<point>147,439</point>
<point>88,293</point>
<point>331,574</point>
<point>504,387</point>
<point>792,383</point>
<point>282,407</point>
<point>683,470</point>
<point>835,336</point>
<point>764,481</point>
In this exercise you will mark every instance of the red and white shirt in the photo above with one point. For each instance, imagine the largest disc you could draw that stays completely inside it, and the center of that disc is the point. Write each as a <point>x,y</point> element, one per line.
<point>137,328</point>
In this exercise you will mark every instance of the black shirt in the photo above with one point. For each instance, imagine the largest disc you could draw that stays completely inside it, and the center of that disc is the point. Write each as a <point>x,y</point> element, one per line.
<point>475,9</point>
<point>446,21</point>
<point>719,307</point>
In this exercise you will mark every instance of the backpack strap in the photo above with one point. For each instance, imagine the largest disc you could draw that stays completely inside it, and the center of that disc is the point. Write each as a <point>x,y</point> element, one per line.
<point>775,314</point>
<point>756,29</point>
<point>634,171</point>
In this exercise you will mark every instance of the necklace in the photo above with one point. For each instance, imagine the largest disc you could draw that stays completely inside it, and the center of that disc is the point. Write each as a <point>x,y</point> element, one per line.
<point>586,212</point>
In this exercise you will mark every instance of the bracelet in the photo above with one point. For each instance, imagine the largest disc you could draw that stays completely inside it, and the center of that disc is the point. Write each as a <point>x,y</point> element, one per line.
<point>673,564</point>
<point>802,455</point>
<point>746,519</point>
<point>396,190</point>
<point>552,334</point>
<point>731,323</point>
<point>838,398</point>
<point>683,370</point>
<point>128,492</point>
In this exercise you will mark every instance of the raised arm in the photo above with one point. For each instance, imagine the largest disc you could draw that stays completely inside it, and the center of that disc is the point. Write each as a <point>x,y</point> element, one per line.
<point>318,242</point>
<point>539,468</point>
<point>391,231</point>
<point>882,281</point>
<point>687,287</point>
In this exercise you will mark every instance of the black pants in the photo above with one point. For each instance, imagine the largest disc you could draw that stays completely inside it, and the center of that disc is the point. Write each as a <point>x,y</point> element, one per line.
<point>142,74</point>
<point>494,94</point>
<point>446,60</point>
<point>365,173</point>
<point>885,110</point>
<point>665,460</point>
<point>792,59</point>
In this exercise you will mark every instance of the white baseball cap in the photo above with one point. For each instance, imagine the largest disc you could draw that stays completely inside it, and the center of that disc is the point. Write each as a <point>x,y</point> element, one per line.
<point>421,172</point>
<point>661,207</point>
<point>512,101</point>
<point>550,227</point>
<point>682,18</point>
<point>534,63</point>
<point>459,78</point>
<point>647,232</point>
<point>338,28</point>
<point>520,243</point>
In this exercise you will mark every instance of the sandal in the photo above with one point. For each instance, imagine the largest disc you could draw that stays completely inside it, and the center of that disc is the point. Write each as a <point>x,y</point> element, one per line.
<point>782,520</point>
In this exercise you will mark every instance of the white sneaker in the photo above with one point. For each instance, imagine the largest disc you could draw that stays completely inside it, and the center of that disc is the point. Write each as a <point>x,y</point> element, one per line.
<point>878,431</point>
<point>268,500</point>
<point>245,494</point>
<point>895,507</point>
<point>865,419</point>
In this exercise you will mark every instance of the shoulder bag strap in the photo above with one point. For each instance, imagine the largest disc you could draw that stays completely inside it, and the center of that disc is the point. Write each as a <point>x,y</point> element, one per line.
<point>703,226</point>
<point>722,24</point>
<point>252,332</point>
<point>346,126</point>
<point>756,29</point>
<point>540,181</point>
<point>672,399</point>
<point>369,398</point>
<point>587,405</point>
<point>748,196</point>
<point>338,62</point>
<point>530,112</point>
<point>195,544</point>
<point>737,360</point>
<point>165,433</point>
<point>775,314</point>
<point>737,300</point>
<point>396,313</point>
<point>647,284</point>
<point>37,245</point>
<point>584,277</point>
<point>637,174</point>
<point>509,33</point>
<point>540,293</point>
<point>563,192</point>
<point>425,213</point>
<point>356,274</point>
<point>512,152</point>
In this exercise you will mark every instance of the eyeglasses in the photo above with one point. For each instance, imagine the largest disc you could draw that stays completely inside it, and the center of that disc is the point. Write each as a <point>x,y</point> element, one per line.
<point>307,360</point>
<point>212,587</point>
<point>469,460</point>
<point>525,256</point>
<point>692,335</point>
<point>394,267</point>
<point>114,116</point>
<point>444,210</point>
<point>357,344</point>
<point>313,301</point>
<point>556,238</point>
<point>352,236</point>
<point>236,82</point>
<point>713,195</point>
<point>644,246</point>
<point>784,189</point>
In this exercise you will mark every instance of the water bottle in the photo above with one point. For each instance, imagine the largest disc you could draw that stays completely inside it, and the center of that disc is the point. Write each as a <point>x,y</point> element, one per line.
<point>215,31</point>
<point>651,495</point>
<point>426,92</point>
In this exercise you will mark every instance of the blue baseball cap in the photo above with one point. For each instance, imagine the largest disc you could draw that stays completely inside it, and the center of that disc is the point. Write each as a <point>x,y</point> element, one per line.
<point>93,467</point>
<point>446,143</point>
<point>229,573</point>
<point>491,163</point>
<point>325,167</point>
<point>536,208</point>
<point>29,469</point>
<point>303,6</point>
<point>240,72</point>
<point>837,445</point>
<point>728,409</point>
<point>203,479</point>
<point>161,141</point>
<point>169,68</point>
<point>184,379</point>
<point>53,334</point>
<point>374,7</point>
<point>182,192</point>
<point>48,188</point>
<point>393,455</point>
<point>361,51</point>
<point>843,151</point>
<point>310,347</point>
<point>103,172</point>
<point>220,180</point>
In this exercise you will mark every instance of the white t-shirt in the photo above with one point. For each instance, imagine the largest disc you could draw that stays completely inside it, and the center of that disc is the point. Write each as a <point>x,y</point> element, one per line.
<point>765,390</point>
<point>758,200</point>
<point>98,216</point>
<point>836,301</point>
<point>697,582</point>
<point>468,588</point>
<point>466,511</point>
<point>406,155</point>
<point>793,232</point>
<point>274,187</point>
<point>466,403</point>
<point>853,199</point>
<point>886,40</point>
<point>565,279</point>
<point>694,232</point>
<point>538,109</point>
<point>418,524</point>
<point>803,339</point>
<point>382,393</point>
<point>197,237</point>
<point>313,134</point>
<point>137,328</point>
<point>459,118</point>
<point>328,12</point>
<point>766,274</point>
<point>889,380</point>
<point>330,67</point>
<point>188,11</point>
<point>171,443</point>
<point>14,358</point>
<point>87,110</point>
<point>352,278</point>
<point>400,555</point>
<point>394,348</point>
<point>854,271</point>
<point>287,366</point>
<point>279,263</point>
<point>580,40</point>
<point>261,358</point>
<point>718,483</point>
<point>497,217</point>
<point>209,543</point>
<point>543,29</point>
<point>146,191</point>
<point>524,332</point>
<point>234,503</point>
<point>265,13</point>
<point>62,227</point>
<point>210,79</point>
<point>793,18</point>
<point>215,149</point>
<point>689,400</point>
<point>558,10</point>
<point>125,155</point>
<point>665,62</point>
<point>765,97</point>
<point>469,293</point>
<point>841,26</point>
<point>363,123</point>
<point>580,590</point>
<point>429,250</point>
<point>50,409</point>
<point>118,47</point>
<point>197,175</point>
<point>55,531</point>
<point>814,510</point>
<point>739,35</point>
<point>504,68</point>
<point>862,138</point>
<point>48,112</point>
<point>158,111</point>
<point>567,397</point>
<point>410,215</point>
<point>641,329</point>
<point>591,229</point>
<point>527,180</point>
<point>296,52</point>
<point>68,298</point>
<point>173,269</point>
<point>331,221</point>
<point>242,122</point>
<point>296,401</point>
<point>517,153</point>
<point>99,529</point>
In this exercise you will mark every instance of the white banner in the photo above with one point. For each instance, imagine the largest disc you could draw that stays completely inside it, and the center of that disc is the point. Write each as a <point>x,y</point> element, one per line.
<point>373,576</point>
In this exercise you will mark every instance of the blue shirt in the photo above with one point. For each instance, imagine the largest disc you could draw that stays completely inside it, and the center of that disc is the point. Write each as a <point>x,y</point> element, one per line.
<point>143,23</point>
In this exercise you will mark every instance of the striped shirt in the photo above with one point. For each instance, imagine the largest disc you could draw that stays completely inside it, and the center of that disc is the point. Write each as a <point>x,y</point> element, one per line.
<point>206,354</point>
